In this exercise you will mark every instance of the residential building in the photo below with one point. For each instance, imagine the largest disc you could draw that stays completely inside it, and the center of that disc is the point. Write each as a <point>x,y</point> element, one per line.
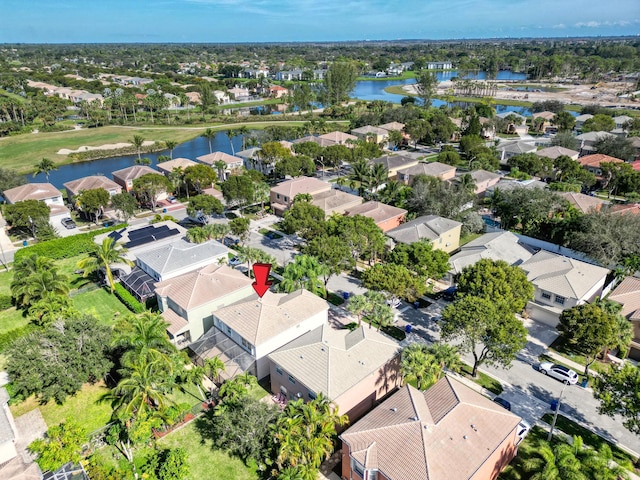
<point>170,165</point>
<point>587,141</point>
<point>214,193</point>
<point>44,192</point>
<point>555,152</point>
<point>580,119</point>
<point>335,201</point>
<point>500,245</point>
<point>511,149</point>
<point>276,91</point>
<point>232,162</point>
<point>484,180</point>
<point>282,195</point>
<point>628,209</point>
<point>506,185</point>
<point>392,126</point>
<point>433,169</point>
<point>239,93</point>
<point>246,332</point>
<point>622,120</point>
<point>386,217</point>
<point>74,187</point>
<point>443,233</point>
<point>448,432</point>
<point>355,369</point>
<point>252,161</point>
<point>370,133</point>
<point>323,142</point>
<point>126,176</point>
<point>560,283</point>
<point>395,163</point>
<point>289,75</point>
<point>187,302</point>
<point>592,162</point>
<point>584,203</point>
<point>439,65</point>
<point>627,294</point>
<point>179,257</point>
<point>340,138</point>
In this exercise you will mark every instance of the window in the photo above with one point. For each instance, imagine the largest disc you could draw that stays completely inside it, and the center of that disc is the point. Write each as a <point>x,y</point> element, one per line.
<point>292,380</point>
<point>546,295</point>
<point>312,396</point>
<point>286,199</point>
<point>357,467</point>
<point>278,370</point>
<point>246,344</point>
<point>278,196</point>
<point>560,300</point>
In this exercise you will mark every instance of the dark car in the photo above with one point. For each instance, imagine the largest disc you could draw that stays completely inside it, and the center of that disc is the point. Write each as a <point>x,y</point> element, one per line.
<point>503,403</point>
<point>450,294</point>
<point>68,223</point>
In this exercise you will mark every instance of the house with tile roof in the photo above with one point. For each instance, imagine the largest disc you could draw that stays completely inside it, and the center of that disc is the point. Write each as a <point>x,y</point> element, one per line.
<point>371,133</point>
<point>561,283</point>
<point>335,201</point>
<point>483,180</point>
<point>187,302</point>
<point>179,257</point>
<point>43,192</point>
<point>443,233</point>
<point>448,432</point>
<point>126,176</point>
<point>394,163</point>
<point>392,126</point>
<point>511,149</point>
<point>246,332</point>
<point>354,369</point>
<point>170,165</point>
<point>592,162</point>
<point>232,162</point>
<point>92,182</point>
<point>386,217</point>
<point>432,169</point>
<point>588,140</point>
<point>323,142</point>
<point>584,203</point>
<point>340,138</point>
<point>282,194</point>
<point>626,209</point>
<point>557,151</point>
<point>500,245</point>
<point>580,119</point>
<point>627,294</point>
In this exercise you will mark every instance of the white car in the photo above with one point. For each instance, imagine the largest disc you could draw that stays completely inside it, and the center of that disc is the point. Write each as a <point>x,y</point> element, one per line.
<point>522,430</point>
<point>393,302</point>
<point>234,261</point>
<point>559,372</point>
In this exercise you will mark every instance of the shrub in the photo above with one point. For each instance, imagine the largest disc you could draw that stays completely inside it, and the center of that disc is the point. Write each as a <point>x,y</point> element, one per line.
<point>129,300</point>
<point>65,247</point>
<point>7,338</point>
<point>6,301</point>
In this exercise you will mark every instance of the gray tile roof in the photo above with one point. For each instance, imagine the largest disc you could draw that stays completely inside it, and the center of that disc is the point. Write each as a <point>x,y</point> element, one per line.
<point>427,227</point>
<point>180,254</point>
<point>392,162</point>
<point>433,169</point>
<point>332,361</point>
<point>496,246</point>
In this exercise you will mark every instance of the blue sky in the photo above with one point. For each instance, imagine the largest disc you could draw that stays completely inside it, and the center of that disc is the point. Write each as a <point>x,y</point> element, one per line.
<point>66,21</point>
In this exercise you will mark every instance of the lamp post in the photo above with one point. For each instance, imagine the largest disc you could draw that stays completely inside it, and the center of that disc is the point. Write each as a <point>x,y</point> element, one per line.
<point>555,415</point>
<point>322,163</point>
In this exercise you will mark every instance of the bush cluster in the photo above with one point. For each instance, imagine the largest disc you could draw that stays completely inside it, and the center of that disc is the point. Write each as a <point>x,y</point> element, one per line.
<point>7,338</point>
<point>129,300</point>
<point>6,301</point>
<point>65,247</point>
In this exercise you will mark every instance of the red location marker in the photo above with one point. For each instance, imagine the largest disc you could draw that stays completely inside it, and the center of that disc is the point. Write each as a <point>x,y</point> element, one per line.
<point>261,274</point>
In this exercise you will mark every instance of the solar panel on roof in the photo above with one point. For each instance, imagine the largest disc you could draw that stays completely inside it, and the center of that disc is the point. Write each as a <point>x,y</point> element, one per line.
<point>141,232</point>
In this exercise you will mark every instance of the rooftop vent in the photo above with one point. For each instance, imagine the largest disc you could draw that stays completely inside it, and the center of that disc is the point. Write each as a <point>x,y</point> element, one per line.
<point>465,437</point>
<point>394,409</point>
<point>414,418</point>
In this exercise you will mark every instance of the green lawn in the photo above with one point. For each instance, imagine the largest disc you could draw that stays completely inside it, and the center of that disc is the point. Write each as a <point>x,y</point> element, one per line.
<point>5,282</point>
<point>82,407</point>
<point>101,303</point>
<point>11,319</point>
<point>204,460</point>
<point>483,380</point>
<point>593,440</point>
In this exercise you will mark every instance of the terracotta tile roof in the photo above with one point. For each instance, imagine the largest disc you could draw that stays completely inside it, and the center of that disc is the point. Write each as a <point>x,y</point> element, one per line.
<point>258,320</point>
<point>90,183</point>
<point>323,142</point>
<point>584,203</point>
<point>629,209</point>
<point>433,169</point>
<point>335,200</point>
<point>339,137</point>
<point>445,433</point>
<point>171,165</point>
<point>628,295</point>
<point>310,185</point>
<point>31,191</point>
<point>212,158</point>
<point>332,361</point>
<point>176,322</point>
<point>563,275</point>
<point>545,115</point>
<point>379,212</point>
<point>370,129</point>
<point>596,159</point>
<point>392,126</point>
<point>133,172</point>
<point>197,288</point>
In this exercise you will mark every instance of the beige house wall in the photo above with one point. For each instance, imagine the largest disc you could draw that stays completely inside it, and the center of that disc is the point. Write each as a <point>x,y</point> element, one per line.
<point>448,241</point>
<point>499,459</point>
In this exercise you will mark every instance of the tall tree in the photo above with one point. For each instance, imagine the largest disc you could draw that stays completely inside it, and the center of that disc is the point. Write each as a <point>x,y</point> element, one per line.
<point>240,228</point>
<point>28,216</point>
<point>126,204</point>
<point>93,202</point>
<point>150,186</point>
<point>397,280</point>
<point>617,391</point>
<point>34,277</point>
<point>205,204</point>
<point>339,80</point>
<point>104,256</point>
<point>238,190</point>
<point>199,177</point>
<point>170,144</point>
<point>426,83</point>
<point>45,166</point>
<point>492,335</point>
<point>332,252</point>
<point>138,142</point>
<point>209,134</point>
<point>305,272</point>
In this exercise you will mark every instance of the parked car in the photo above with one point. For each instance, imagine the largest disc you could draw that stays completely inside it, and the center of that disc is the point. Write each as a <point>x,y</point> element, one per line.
<point>559,372</point>
<point>68,223</point>
<point>522,430</point>
<point>449,294</point>
<point>234,261</point>
<point>171,199</point>
<point>503,403</point>
<point>393,302</point>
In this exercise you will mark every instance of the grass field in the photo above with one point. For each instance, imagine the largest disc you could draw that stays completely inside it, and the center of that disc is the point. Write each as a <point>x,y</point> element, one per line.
<point>100,303</point>
<point>12,319</point>
<point>204,460</point>
<point>82,407</point>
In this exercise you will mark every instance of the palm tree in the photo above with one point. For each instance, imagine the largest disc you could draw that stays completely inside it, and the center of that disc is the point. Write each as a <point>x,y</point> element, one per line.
<point>51,308</point>
<point>231,133</point>
<point>209,134</point>
<point>213,368</point>
<point>45,166</point>
<point>358,305</point>
<point>381,314</point>
<point>103,256</point>
<point>36,286</point>
<point>419,366</point>
<point>559,462</point>
<point>446,356</point>
<point>244,131</point>
<point>221,166</point>
<point>304,272</point>
<point>143,335</point>
<point>171,144</point>
<point>217,231</point>
<point>378,175</point>
<point>196,235</point>
<point>391,192</point>
<point>193,375</point>
<point>138,141</point>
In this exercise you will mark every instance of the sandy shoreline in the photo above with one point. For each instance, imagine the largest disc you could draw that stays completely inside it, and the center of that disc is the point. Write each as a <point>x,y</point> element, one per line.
<point>107,146</point>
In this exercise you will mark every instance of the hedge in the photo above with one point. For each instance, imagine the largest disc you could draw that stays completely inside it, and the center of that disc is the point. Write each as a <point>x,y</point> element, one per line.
<point>65,247</point>
<point>7,338</point>
<point>129,300</point>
